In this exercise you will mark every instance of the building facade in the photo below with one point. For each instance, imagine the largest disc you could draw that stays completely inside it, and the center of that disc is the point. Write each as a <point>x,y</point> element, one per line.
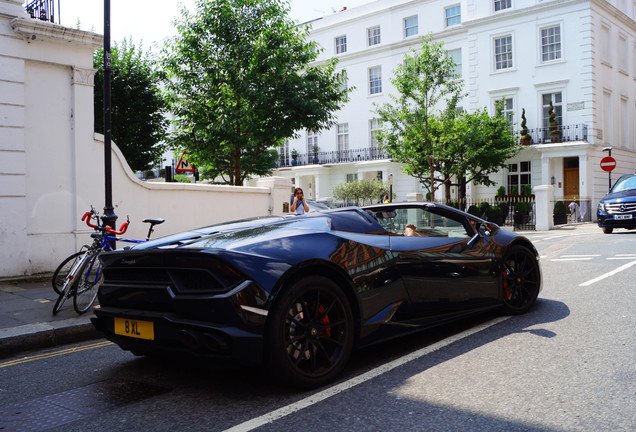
<point>579,55</point>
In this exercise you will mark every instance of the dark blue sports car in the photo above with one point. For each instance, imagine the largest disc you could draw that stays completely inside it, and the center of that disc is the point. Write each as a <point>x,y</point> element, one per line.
<point>617,209</point>
<point>299,293</point>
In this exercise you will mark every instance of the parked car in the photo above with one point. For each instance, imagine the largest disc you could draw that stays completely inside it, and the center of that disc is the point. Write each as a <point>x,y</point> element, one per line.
<point>299,293</point>
<point>617,209</point>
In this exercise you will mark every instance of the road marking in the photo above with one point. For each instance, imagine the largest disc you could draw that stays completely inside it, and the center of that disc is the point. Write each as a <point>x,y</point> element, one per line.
<point>578,256</point>
<point>54,354</point>
<point>608,274</point>
<point>571,259</point>
<point>339,388</point>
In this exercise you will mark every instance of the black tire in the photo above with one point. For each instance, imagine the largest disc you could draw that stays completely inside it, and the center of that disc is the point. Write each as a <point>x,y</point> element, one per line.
<point>608,230</point>
<point>59,276</point>
<point>88,280</point>
<point>310,333</point>
<point>521,280</point>
<point>63,296</point>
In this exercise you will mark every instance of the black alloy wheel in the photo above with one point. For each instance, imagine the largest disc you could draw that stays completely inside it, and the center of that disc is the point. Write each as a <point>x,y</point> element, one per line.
<point>310,336</point>
<point>521,280</point>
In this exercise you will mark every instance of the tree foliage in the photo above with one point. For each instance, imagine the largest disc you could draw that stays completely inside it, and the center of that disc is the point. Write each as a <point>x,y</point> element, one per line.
<point>241,82</point>
<point>359,192</point>
<point>438,143</point>
<point>427,85</point>
<point>138,125</point>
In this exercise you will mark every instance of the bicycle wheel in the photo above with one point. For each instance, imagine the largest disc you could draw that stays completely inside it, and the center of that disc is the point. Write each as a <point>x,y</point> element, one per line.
<point>88,280</point>
<point>61,272</point>
<point>70,282</point>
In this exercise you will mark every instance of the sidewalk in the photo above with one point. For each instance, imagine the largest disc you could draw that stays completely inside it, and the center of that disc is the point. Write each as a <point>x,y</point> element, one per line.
<point>27,322</point>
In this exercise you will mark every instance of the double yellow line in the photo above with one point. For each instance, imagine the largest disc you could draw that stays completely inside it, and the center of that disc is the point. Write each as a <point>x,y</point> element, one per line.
<point>55,354</point>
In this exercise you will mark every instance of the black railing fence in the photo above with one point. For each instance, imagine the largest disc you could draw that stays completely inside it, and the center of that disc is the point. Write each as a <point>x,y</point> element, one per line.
<point>332,157</point>
<point>568,133</point>
<point>518,211</point>
<point>43,10</point>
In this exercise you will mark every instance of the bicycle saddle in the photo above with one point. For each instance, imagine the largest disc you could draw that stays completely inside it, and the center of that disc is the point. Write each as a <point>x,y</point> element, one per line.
<point>154,221</point>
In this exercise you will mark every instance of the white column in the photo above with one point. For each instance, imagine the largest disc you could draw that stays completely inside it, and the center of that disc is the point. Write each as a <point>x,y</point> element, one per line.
<point>543,200</point>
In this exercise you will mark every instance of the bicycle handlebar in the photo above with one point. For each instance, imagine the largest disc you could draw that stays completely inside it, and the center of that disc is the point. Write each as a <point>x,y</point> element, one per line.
<point>89,215</point>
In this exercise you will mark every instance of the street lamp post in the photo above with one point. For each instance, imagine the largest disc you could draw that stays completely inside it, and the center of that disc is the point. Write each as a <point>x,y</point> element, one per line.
<point>109,217</point>
<point>609,173</point>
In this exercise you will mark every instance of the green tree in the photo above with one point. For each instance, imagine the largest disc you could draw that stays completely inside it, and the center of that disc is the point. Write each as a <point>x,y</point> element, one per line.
<point>359,192</point>
<point>478,145</point>
<point>138,125</point>
<point>241,82</point>
<point>412,131</point>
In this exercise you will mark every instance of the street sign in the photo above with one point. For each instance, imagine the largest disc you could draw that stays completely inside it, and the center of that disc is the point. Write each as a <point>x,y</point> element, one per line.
<point>184,164</point>
<point>608,163</point>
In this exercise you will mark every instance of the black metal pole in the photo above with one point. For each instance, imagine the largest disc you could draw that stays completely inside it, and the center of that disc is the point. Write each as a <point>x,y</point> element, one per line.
<point>109,218</point>
<point>609,172</point>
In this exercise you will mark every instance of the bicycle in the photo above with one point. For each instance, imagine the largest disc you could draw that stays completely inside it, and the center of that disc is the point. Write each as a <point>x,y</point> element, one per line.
<point>79,275</point>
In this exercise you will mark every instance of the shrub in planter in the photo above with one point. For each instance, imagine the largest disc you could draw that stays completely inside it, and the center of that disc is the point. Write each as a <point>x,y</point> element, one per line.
<point>505,208</point>
<point>501,192</point>
<point>482,208</point>
<point>494,214</point>
<point>473,210</point>
<point>527,190</point>
<point>560,213</point>
<point>522,210</point>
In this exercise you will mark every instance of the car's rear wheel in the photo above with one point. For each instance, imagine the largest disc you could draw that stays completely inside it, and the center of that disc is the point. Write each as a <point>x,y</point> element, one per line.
<point>608,230</point>
<point>310,335</point>
<point>521,280</point>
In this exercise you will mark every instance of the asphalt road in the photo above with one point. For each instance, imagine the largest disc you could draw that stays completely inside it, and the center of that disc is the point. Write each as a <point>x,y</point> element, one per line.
<point>569,365</point>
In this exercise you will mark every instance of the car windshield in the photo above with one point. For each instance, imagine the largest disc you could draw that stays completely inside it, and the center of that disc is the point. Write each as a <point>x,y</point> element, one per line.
<point>625,183</point>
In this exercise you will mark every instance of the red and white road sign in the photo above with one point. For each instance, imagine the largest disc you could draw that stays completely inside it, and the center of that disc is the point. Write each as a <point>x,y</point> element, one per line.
<point>184,164</point>
<point>608,163</point>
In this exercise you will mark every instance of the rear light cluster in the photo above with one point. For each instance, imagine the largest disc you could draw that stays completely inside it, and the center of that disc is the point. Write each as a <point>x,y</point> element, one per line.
<point>216,278</point>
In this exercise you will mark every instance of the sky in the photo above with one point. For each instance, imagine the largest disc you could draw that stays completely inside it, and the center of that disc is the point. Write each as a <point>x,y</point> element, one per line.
<point>150,21</point>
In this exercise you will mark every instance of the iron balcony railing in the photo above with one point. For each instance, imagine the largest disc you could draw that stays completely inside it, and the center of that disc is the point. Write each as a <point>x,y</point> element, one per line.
<point>43,10</point>
<point>569,133</point>
<point>332,157</point>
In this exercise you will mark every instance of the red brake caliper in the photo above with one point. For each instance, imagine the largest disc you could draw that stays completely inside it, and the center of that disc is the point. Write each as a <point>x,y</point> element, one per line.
<point>324,321</point>
<point>506,292</point>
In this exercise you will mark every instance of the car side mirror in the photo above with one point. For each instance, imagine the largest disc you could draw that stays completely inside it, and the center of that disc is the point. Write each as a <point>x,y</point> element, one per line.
<point>483,231</point>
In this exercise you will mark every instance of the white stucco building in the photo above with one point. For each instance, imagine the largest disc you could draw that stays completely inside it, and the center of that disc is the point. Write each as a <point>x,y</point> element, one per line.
<point>578,54</point>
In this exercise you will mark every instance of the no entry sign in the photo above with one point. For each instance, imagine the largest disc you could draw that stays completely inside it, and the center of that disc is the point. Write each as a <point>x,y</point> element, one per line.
<point>608,163</point>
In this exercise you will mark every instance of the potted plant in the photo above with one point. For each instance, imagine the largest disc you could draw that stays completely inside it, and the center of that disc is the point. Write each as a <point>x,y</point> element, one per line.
<point>522,211</point>
<point>555,132</point>
<point>525,139</point>
<point>527,190</point>
<point>315,149</point>
<point>501,193</point>
<point>294,155</point>
<point>560,213</point>
<point>494,214</point>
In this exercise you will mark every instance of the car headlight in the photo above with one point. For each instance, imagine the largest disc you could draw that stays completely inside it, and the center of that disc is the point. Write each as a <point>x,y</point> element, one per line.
<point>601,207</point>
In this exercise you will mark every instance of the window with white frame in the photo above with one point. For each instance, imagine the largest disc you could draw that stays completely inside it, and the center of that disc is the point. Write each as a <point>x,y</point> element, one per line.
<point>341,44</point>
<point>410,26</point>
<point>503,52</point>
<point>622,54</point>
<point>453,15</point>
<point>507,109</point>
<point>456,55</point>
<point>557,102</point>
<point>343,137</point>
<point>374,126</point>
<point>373,36</point>
<point>502,4</point>
<point>312,140</point>
<point>606,48</point>
<point>519,176</point>
<point>607,117</point>
<point>624,123</point>
<point>344,84</point>
<point>352,177</point>
<point>550,43</point>
<point>375,80</point>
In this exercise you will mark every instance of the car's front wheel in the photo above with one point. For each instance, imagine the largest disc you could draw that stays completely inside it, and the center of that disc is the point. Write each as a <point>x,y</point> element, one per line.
<point>521,280</point>
<point>310,333</point>
<point>608,230</point>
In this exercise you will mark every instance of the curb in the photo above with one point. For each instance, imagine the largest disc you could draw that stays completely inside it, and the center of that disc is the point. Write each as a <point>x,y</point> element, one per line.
<point>45,335</point>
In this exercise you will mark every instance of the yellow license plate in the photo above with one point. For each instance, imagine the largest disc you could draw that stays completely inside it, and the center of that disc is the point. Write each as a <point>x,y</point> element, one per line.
<point>135,328</point>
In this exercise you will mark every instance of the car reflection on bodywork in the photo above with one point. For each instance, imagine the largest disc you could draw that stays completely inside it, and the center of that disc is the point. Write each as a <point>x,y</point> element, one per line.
<point>299,293</point>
